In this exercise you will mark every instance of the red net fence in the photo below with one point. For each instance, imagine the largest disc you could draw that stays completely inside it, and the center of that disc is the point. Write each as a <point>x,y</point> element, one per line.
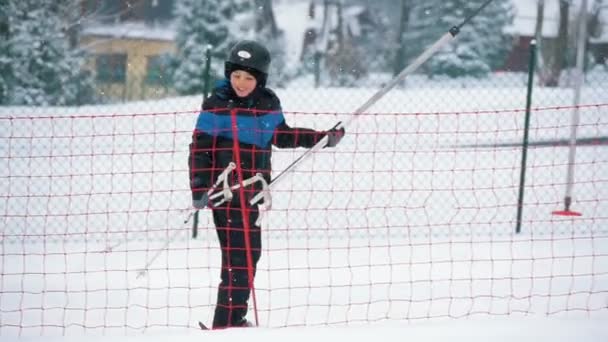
<point>411,217</point>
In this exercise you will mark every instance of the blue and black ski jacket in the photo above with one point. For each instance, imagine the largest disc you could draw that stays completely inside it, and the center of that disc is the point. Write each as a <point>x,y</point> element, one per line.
<point>250,126</point>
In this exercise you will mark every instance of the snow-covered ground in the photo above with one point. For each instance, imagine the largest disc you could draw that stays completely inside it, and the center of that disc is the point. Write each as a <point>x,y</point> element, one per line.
<point>500,329</point>
<point>399,232</point>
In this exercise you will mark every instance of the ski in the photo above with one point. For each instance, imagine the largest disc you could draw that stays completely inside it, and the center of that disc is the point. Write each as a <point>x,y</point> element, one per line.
<point>247,324</point>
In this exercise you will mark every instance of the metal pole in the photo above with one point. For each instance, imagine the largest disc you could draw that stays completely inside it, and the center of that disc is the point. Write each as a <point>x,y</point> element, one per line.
<point>207,75</point>
<point>377,96</point>
<point>446,38</point>
<point>206,86</point>
<point>578,81</point>
<point>524,151</point>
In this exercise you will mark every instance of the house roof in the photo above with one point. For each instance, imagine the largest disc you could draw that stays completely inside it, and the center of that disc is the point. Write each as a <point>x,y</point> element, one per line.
<point>524,21</point>
<point>131,30</point>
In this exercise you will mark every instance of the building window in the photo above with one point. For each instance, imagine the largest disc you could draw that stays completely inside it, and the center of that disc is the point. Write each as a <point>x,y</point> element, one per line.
<point>157,69</point>
<point>111,68</point>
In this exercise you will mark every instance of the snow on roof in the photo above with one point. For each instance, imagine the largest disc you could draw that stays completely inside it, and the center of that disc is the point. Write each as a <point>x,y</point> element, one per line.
<point>353,11</point>
<point>131,30</point>
<point>294,20</point>
<point>524,21</point>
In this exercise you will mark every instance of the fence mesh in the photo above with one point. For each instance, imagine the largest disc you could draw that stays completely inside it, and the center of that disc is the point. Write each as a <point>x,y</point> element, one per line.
<point>411,217</point>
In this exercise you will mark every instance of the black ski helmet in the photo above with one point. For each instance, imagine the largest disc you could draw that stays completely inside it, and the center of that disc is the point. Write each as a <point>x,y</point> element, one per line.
<point>250,56</point>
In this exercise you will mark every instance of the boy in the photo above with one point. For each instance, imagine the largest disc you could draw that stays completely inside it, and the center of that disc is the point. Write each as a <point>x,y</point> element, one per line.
<point>238,124</point>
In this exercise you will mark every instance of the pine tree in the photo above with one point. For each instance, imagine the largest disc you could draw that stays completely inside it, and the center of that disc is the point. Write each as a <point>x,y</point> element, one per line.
<point>423,29</point>
<point>201,23</point>
<point>493,44</point>
<point>480,46</point>
<point>5,69</point>
<point>464,57</point>
<point>38,65</point>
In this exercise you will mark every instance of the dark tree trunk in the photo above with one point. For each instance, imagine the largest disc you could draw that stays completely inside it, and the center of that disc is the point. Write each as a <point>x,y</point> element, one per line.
<point>538,35</point>
<point>266,17</point>
<point>399,63</point>
<point>561,46</point>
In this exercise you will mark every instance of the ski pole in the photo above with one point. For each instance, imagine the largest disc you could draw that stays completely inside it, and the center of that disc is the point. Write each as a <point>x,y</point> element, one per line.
<point>144,270</point>
<point>110,248</point>
<point>195,224</point>
<point>446,38</point>
<point>575,120</point>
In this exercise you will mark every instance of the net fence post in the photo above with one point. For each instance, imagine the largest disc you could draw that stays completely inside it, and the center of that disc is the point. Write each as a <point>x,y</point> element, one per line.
<point>524,151</point>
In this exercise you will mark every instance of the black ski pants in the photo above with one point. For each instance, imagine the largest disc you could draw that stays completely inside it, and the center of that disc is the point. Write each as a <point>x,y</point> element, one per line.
<point>233,290</point>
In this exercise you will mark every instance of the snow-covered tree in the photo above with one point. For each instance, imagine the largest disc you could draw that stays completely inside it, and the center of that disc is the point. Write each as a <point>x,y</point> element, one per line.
<point>343,42</point>
<point>493,44</point>
<point>268,32</point>
<point>255,20</point>
<point>39,67</point>
<point>465,57</point>
<point>201,23</point>
<point>481,45</point>
<point>312,42</point>
<point>5,69</point>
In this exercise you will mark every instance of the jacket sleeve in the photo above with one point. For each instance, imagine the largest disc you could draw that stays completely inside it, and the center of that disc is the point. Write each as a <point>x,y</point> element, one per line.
<point>285,136</point>
<point>290,137</point>
<point>200,164</point>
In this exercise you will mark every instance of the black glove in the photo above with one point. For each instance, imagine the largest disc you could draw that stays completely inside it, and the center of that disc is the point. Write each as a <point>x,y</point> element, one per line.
<point>334,136</point>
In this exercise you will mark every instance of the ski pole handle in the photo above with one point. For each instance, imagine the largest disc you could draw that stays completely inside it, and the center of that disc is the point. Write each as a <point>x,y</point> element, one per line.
<point>195,224</point>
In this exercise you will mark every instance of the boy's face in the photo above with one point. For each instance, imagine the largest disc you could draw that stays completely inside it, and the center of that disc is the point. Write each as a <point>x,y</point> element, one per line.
<point>242,82</point>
